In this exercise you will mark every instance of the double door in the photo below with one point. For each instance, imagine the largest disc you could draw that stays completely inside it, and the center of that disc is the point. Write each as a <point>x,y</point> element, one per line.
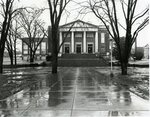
<point>78,48</point>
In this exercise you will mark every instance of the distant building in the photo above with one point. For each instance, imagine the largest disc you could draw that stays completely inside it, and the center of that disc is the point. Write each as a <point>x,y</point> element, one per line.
<point>146,51</point>
<point>82,38</point>
<point>40,52</point>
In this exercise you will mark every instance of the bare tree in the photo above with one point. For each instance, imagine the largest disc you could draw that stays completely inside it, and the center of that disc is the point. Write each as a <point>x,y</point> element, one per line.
<point>107,12</point>
<point>13,35</point>
<point>33,28</point>
<point>7,13</point>
<point>56,8</point>
<point>9,47</point>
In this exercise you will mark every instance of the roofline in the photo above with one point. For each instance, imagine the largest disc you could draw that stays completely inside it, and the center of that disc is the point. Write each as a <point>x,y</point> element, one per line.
<point>34,38</point>
<point>79,21</point>
<point>146,45</point>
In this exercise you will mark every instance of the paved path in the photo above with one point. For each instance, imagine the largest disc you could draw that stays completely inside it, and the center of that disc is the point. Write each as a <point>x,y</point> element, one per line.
<point>74,92</point>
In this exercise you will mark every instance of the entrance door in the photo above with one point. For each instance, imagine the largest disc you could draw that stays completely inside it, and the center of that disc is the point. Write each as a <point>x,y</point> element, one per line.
<point>67,48</point>
<point>90,48</point>
<point>78,48</point>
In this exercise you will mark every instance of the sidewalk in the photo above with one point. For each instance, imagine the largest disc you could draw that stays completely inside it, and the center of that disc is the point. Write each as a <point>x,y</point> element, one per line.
<point>74,92</point>
<point>140,62</point>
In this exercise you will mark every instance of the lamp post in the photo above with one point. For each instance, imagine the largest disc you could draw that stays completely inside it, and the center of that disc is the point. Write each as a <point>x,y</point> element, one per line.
<point>111,72</point>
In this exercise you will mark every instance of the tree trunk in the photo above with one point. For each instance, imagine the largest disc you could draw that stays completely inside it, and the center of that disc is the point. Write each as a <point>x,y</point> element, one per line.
<point>15,57</point>
<point>31,59</point>
<point>54,50</point>
<point>2,53</point>
<point>11,59</point>
<point>15,53</point>
<point>124,66</point>
<point>31,56</point>
<point>54,64</point>
<point>1,62</point>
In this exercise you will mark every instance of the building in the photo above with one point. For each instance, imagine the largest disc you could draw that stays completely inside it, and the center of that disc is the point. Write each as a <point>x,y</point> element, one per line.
<point>80,37</point>
<point>146,51</point>
<point>41,51</point>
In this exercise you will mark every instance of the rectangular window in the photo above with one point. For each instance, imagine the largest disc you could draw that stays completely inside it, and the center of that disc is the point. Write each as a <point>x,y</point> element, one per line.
<point>90,34</point>
<point>79,34</point>
<point>43,48</point>
<point>102,37</point>
<point>66,34</point>
<point>67,48</point>
<point>38,50</point>
<point>102,50</point>
<point>25,46</point>
<point>25,52</point>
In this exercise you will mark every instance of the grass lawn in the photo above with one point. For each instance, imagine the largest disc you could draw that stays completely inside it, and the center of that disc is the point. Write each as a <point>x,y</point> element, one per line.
<point>137,79</point>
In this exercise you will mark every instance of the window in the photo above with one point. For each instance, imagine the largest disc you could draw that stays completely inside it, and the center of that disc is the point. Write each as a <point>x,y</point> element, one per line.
<point>43,48</point>
<point>67,48</point>
<point>25,46</point>
<point>90,48</point>
<point>102,50</point>
<point>25,51</point>
<point>90,34</point>
<point>66,34</point>
<point>38,50</point>
<point>102,37</point>
<point>78,34</point>
<point>78,48</point>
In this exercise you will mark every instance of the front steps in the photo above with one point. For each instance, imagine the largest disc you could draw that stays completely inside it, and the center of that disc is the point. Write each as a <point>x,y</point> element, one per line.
<point>81,60</point>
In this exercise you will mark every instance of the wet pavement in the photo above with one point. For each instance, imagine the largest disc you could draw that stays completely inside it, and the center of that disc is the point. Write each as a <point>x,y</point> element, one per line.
<point>73,92</point>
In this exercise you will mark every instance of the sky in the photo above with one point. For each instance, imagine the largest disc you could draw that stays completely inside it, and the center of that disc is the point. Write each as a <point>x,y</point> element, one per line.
<point>72,11</point>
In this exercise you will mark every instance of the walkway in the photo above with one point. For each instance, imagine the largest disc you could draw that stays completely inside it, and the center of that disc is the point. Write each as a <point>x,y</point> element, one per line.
<point>74,92</point>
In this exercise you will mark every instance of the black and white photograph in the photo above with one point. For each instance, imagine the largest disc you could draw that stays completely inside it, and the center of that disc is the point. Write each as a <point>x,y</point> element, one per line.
<point>74,58</point>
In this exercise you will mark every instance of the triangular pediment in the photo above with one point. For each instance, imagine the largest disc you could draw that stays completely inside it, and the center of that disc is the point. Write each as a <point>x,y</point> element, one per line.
<point>79,24</point>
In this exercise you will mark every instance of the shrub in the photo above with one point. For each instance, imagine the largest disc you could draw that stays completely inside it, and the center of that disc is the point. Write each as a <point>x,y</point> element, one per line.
<point>138,55</point>
<point>49,58</point>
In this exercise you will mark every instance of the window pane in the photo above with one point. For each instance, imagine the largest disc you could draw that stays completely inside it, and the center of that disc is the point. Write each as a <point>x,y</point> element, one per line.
<point>102,50</point>
<point>25,52</point>
<point>43,48</point>
<point>43,45</point>
<point>78,34</point>
<point>90,35</point>
<point>25,46</point>
<point>38,50</point>
<point>102,37</point>
<point>66,35</point>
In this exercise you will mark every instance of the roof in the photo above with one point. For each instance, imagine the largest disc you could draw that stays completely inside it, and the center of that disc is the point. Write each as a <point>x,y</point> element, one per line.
<point>147,45</point>
<point>79,23</point>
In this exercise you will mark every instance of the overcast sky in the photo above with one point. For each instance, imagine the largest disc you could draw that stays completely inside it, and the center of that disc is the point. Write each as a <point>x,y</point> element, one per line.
<point>143,37</point>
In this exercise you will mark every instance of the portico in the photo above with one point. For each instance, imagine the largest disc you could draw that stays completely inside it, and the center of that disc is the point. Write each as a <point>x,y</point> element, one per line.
<point>80,40</point>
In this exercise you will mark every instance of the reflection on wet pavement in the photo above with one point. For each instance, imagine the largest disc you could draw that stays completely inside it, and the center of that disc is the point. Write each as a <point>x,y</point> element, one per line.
<point>73,92</point>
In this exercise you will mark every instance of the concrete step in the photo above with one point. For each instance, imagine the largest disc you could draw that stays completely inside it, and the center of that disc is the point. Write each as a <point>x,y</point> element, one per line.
<point>78,56</point>
<point>81,62</point>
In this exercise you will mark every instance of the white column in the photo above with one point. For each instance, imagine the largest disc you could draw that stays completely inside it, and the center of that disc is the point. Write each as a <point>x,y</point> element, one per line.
<point>84,42</point>
<point>72,42</point>
<point>60,41</point>
<point>96,41</point>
